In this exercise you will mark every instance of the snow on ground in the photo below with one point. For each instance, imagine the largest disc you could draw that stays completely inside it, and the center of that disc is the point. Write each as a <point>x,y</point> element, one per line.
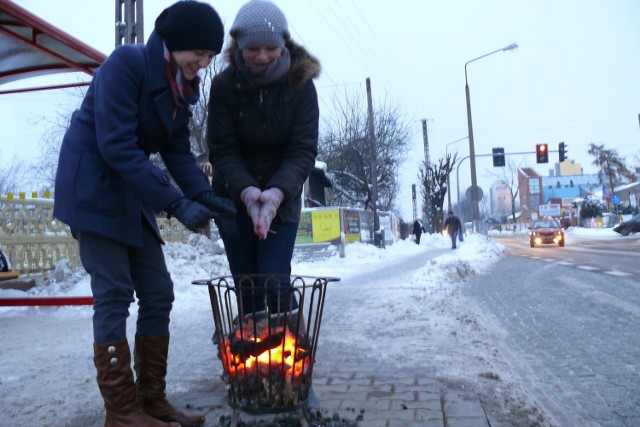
<point>46,370</point>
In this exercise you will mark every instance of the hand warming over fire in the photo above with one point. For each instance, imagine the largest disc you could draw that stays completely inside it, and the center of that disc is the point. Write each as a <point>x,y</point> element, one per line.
<point>270,201</point>
<point>250,196</point>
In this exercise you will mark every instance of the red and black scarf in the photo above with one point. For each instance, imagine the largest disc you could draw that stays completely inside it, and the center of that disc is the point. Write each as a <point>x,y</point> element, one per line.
<point>184,92</point>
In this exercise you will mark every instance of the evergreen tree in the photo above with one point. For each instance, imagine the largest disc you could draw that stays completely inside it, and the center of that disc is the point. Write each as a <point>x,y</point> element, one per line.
<point>592,208</point>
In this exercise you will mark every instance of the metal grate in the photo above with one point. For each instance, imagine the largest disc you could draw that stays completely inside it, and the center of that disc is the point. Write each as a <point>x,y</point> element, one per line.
<point>266,334</point>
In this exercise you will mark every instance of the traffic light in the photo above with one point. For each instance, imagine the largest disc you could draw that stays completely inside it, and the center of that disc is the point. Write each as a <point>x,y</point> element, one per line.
<point>542,153</point>
<point>498,156</point>
<point>562,149</point>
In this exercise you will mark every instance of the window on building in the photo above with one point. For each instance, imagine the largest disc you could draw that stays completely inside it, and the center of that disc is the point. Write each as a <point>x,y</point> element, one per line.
<point>534,186</point>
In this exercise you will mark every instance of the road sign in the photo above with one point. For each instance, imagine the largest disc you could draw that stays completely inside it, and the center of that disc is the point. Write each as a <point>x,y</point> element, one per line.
<point>550,209</point>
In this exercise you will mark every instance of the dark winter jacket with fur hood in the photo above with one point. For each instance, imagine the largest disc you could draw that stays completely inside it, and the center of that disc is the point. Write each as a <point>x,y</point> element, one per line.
<point>264,136</point>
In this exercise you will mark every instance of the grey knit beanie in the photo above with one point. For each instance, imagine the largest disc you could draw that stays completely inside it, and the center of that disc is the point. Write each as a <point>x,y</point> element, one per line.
<point>260,22</point>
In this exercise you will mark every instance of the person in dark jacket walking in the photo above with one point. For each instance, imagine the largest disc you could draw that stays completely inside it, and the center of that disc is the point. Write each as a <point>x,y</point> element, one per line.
<point>453,226</point>
<point>263,136</point>
<point>108,191</point>
<point>418,229</point>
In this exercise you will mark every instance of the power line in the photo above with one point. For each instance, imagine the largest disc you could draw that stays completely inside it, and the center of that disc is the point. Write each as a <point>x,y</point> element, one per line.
<point>400,74</point>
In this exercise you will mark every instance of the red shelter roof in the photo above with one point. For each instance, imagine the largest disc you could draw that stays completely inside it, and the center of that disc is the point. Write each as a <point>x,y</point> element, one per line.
<point>30,47</point>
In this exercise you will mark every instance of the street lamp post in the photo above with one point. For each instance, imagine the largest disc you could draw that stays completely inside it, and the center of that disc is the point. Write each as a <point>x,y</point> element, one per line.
<point>446,154</point>
<point>472,151</point>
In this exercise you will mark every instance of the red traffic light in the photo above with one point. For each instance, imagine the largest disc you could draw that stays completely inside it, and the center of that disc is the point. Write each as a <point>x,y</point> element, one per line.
<point>542,155</point>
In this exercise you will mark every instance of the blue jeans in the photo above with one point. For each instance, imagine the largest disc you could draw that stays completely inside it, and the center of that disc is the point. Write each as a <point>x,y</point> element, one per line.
<point>247,255</point>
<point>454,236</point>
<point>117,272</point>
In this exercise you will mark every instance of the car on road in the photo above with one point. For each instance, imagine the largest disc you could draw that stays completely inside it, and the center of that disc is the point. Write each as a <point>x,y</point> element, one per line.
<point>629,226</point>
<point>546,231</point>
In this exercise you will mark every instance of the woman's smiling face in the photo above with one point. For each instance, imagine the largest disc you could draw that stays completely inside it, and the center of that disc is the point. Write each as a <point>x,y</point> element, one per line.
<point>259,56</point>
<point>192,61</point>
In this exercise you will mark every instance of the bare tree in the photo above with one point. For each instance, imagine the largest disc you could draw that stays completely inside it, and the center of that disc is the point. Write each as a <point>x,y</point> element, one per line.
<point>344,146</point>
<point>612,169</point>
<point>509,176</point>
<point>198,123</point>
<point>43,169</point>
<point>433,178</point>
<point>12,175</point>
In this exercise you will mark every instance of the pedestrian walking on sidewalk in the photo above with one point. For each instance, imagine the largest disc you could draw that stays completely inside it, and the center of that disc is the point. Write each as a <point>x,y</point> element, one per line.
<point>453,226</point>
<point>418,229</point>
<point>263,138</point>
<point>109,192</point>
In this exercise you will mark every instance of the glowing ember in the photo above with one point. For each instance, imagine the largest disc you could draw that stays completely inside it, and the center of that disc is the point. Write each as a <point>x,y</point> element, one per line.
<point>265,364</point>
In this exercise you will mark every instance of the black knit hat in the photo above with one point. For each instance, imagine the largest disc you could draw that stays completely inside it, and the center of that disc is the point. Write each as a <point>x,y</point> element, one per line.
<point>190,25</point>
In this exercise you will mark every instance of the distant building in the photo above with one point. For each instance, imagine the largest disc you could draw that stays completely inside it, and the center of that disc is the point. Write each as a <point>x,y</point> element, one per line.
<point>529,191</point>
<point>568,168</point>
<point>500,199</point>
<point>565,183</point>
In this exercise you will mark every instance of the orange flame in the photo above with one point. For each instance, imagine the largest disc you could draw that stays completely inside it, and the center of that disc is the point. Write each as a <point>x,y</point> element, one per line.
<point>286,357</point>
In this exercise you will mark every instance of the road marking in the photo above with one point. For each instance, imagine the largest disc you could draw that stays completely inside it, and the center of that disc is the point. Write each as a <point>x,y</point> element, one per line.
<point>617,273</point>
<point>565,263</point>
<point>587,267</point>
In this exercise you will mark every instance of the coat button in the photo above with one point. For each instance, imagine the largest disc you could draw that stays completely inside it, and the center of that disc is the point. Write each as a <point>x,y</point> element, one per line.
<point>165,178</point>
<point>113,361</point>
<point>111,349</point>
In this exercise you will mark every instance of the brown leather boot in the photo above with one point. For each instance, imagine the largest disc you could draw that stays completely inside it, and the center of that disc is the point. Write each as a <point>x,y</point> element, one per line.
<point>115,379</point>
<point>150,364</point>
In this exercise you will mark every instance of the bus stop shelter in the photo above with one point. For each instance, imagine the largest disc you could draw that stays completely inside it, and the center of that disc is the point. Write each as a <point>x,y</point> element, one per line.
<point>31,47</point>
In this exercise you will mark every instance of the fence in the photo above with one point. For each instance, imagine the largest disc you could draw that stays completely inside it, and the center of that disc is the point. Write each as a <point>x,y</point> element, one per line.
<point>34,241</point>
<point>31,238</point>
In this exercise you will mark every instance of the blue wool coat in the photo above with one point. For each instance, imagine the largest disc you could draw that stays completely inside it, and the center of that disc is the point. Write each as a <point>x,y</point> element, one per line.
<point>105,182</point>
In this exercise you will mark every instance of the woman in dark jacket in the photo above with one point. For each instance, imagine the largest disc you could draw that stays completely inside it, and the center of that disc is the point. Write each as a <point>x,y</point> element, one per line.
<point>108,191</point>
<point>263,135</point>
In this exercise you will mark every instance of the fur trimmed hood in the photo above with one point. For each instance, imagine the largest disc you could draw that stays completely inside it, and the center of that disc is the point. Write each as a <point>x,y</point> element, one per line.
<point>304,66</point>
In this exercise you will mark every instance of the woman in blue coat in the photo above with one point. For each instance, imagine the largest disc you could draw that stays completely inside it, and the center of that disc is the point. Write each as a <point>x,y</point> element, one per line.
<point>108,191</point>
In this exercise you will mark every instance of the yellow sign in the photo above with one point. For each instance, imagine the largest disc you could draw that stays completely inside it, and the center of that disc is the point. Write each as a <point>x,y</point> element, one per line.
<point>326,226</point>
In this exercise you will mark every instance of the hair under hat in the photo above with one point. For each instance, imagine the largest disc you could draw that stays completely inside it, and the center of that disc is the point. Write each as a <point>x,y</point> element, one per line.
<point>190,25</point>
<point>260,23</point>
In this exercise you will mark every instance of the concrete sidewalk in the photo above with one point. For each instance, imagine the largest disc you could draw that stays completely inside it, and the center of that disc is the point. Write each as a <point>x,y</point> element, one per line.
<point>356,391</point>
<point>369,395</point>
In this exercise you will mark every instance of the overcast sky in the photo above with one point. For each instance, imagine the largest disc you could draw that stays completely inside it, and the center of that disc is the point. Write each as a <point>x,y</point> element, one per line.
<point>574,77</point>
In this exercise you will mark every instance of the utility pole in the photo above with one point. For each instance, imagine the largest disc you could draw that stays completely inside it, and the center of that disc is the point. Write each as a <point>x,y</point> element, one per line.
<point>427,161</point>
<point>129,22</point>
<point>413,199</point>
<point>374,170</point>
<point>425,140</point>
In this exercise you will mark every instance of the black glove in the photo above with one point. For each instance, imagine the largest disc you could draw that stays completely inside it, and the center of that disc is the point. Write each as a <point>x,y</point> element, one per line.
<point>221,207</point>
<point>192,215</point>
